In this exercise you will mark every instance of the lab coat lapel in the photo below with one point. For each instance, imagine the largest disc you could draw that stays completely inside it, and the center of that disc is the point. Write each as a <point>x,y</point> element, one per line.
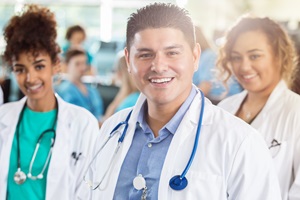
<point>108,193</point>
<point>181,142</point>
<point>270,106</point>
<point>57,176</point>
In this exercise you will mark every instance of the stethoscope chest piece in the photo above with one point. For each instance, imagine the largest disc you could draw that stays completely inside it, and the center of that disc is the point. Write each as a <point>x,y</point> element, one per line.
<point>19,177</point>
<point>178,183</point>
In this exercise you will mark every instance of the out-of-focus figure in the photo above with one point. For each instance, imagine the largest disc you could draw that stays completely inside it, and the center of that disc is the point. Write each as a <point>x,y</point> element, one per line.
<point>128,93</point>
<point>207,77</point>
<point>75,37</point>
<point>74,91</point>
<point>262,57</point>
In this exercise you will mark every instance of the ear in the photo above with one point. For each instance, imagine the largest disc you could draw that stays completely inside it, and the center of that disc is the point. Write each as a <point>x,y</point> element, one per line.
<point>127,59</point>
<point>196,56</point>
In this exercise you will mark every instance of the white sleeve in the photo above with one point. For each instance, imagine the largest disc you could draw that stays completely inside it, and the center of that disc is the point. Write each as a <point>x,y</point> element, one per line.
<point>294,193</point>
<point>1,96</point>
<point>253,174</point>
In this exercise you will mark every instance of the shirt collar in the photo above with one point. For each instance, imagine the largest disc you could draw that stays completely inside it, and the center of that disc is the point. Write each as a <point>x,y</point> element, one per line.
<point>173,124</point>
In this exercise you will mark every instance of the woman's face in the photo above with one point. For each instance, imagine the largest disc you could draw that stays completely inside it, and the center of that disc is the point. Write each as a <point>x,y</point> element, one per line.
<point>77,38</point>
<point>77,66</point>
<point>254,63</point>
<point>34,75</point>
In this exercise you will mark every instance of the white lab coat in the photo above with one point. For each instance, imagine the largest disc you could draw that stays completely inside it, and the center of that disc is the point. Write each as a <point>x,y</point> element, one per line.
<point>280,120</point>
<point>231,162</point>
<point>1,96</point>
<point>76,132</point>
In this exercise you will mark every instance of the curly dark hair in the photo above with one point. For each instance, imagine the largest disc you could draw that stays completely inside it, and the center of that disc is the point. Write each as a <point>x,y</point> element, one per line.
<point>33,31</point>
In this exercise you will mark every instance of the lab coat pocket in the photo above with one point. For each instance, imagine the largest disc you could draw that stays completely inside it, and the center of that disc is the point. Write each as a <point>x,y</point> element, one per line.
<point>278,151</point>
<point>202,186</point>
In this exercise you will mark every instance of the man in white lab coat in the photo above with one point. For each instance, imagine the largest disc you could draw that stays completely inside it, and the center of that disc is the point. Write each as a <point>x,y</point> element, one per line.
<point>176,144</point>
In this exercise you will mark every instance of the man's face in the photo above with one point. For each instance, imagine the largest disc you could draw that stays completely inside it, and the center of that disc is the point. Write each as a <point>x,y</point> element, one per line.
<point>162,65</point>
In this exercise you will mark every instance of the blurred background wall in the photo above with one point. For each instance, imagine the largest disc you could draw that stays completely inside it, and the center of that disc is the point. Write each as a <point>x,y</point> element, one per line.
<point>105,23</point>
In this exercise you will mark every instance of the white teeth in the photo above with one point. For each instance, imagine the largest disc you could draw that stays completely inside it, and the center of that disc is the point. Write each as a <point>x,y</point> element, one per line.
<point>161,80</point>
<point>34,87</point>
<point>249,76</point>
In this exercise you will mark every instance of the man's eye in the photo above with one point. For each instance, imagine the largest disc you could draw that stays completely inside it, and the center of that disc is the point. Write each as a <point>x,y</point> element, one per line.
<point>172,53</point>
<point>146,55</point>
<point>39,67</point>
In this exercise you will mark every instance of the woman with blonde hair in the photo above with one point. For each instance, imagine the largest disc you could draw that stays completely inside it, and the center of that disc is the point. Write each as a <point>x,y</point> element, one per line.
<point>262,57</point>
<point>128,93</point>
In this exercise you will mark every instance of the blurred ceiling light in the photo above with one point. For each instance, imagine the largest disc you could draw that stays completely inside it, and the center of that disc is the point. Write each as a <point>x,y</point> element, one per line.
<point>293,24</point>
<point>19,6</point>
<point>181,3</point>
<point>106,20</point>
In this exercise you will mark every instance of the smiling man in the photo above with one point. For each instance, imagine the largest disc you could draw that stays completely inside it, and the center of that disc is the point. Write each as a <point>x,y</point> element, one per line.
<point>175,143</point>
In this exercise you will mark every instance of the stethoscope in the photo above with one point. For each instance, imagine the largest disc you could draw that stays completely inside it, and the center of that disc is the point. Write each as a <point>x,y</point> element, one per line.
<point>178,182</point>
<point>20,176</point>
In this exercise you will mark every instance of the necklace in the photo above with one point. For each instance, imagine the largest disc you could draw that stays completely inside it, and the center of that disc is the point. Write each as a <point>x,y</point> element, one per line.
<point>248,116</point>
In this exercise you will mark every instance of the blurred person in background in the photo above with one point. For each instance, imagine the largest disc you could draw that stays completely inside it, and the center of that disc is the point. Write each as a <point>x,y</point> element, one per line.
<point>262,57</point>
<point>74,91</point>
<point>75,37</point>
<point>206,77</point>
<point>44,141</point>
<point>128,93</point>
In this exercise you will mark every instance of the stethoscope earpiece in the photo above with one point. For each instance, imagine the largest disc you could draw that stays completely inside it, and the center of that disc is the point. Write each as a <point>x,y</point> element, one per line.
<point>178,183</point>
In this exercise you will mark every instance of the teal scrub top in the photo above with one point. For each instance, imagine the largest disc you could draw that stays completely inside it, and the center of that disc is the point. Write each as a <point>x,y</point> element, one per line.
<point>30,128</point>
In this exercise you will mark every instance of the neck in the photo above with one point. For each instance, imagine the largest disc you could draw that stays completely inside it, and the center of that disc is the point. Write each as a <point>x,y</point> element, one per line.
<point>42,105</point>
<point>76,81</point>
<point>252,106</point>
<point>159,116</point>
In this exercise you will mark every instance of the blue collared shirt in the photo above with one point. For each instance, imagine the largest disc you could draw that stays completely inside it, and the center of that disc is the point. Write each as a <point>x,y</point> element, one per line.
<point>147,154</point>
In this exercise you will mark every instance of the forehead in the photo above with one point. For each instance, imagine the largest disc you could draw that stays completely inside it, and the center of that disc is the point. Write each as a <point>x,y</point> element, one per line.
<point>252,40</point>
<point>78,56</point>
<point>158,37</point>
<point>30,57</point>
<point>77,34</point>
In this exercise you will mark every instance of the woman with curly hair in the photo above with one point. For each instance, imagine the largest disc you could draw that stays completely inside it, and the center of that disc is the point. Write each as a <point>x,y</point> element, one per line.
<point>44,141</point>
<point>262,57</point>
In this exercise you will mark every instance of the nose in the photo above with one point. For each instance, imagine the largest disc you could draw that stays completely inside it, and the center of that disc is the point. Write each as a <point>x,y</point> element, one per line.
<point>159,63</point>
<point>30,76</point>
<point>245,64</point>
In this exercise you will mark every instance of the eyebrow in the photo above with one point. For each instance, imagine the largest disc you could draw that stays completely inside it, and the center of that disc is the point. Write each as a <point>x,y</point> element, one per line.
<point>34,63</point>
<point>166,48</point>
<point>250,51</point>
